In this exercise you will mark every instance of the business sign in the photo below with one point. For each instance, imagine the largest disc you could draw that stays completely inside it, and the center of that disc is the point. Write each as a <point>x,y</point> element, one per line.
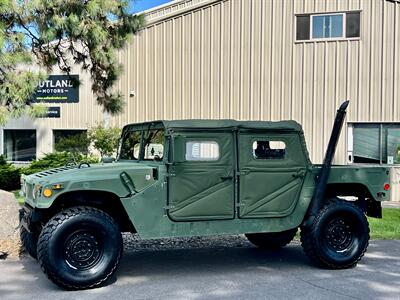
<point>58,89</point>
<point>52,112</point>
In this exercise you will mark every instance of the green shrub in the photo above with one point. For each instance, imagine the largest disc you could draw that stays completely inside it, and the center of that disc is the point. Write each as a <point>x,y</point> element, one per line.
<point>9,176</point>
<point>57,159</point>
<point>105,140</point>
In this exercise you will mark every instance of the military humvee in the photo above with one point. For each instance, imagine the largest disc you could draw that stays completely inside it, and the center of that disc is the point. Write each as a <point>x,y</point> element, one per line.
<point>200,177</point>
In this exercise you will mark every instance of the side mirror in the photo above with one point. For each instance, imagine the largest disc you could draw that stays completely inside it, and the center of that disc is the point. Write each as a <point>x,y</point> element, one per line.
<point>107,159</point>
<point>178,149</point>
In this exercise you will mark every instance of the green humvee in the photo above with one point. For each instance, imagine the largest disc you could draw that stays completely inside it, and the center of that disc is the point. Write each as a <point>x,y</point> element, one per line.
<point>200,177</point>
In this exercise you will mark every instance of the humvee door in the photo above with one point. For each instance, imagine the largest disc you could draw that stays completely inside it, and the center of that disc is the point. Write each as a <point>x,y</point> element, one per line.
<point>201,187</point>
<point>272,167</point>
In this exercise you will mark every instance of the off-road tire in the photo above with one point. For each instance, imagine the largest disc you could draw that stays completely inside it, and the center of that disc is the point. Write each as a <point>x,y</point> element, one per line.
<point>338,236</point>
<point>29,241</point>
<point>272,240</point>
<point>80,248</point>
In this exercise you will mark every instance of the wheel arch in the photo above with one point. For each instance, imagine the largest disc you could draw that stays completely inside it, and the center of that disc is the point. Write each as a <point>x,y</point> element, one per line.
<point>364,198</point>
<point>348,189</point>
<point>103,200</point>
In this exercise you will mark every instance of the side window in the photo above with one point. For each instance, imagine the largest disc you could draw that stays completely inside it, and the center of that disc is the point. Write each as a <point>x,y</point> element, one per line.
<point>202,151</point>
<point>154,145</point>
<point>269,149</point>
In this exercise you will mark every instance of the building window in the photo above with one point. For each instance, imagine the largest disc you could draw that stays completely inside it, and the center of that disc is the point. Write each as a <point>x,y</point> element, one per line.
<point>377,143</point>
<point>20,145</point>
<point>353,24</point>
<point>71,140</point>
<point>328,26</point>
<point>269,149</point>
<point>202,151</point>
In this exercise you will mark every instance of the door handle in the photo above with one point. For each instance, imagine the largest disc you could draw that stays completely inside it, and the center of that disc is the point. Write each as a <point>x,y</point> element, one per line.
<point>299,174</point>
<point>228,177</point>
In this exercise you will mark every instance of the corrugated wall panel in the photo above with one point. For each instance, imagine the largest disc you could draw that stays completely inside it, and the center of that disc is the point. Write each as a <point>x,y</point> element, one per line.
<point>396,64</point>
<point>238,59</point>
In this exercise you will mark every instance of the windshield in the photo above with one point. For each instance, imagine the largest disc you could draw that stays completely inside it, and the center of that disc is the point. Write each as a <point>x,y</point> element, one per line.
<point>130,145</point>
<point>152,149</point>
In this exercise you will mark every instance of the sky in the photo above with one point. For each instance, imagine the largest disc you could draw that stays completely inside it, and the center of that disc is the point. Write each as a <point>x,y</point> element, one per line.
<point>141,5</point>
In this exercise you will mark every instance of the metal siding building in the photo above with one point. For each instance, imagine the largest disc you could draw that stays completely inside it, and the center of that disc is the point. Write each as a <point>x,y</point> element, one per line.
<point>240,59</point>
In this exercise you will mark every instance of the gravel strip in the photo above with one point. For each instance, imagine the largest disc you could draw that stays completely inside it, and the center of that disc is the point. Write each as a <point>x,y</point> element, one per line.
<point>133,243</point>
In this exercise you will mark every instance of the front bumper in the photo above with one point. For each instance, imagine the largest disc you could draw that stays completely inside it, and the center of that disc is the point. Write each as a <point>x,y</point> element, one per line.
<point>29,218</point>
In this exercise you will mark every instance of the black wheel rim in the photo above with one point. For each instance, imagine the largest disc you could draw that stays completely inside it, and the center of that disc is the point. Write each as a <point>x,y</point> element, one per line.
<point>83,250</point>
<point>339,235</point>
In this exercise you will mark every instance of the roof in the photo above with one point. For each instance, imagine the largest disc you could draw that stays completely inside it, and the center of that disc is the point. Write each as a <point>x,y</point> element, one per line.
<point>218,124</point>
<point>172,9</point>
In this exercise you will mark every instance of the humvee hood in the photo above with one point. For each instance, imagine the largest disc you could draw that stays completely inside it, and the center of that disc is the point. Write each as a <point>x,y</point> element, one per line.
<point>119,178</point>
<point>84,172</point>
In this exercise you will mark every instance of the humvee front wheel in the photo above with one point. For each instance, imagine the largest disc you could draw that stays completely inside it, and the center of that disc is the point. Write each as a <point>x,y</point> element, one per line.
<point>272,240</point>
<point>80,248</point>
<point>338,236</point>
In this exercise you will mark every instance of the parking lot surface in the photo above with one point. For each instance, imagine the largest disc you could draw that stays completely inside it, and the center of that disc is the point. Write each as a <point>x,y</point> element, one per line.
<point>219,271</point>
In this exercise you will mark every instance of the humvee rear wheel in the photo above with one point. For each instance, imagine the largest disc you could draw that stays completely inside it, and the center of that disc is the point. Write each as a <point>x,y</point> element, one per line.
<point>272,240</point>
<point>338,236</point>
<point>80,248</point>
<point>29,241</point>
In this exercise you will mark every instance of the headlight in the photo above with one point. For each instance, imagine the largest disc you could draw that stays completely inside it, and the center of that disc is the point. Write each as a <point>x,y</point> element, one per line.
<point>36,190</point>
<point>23,186</point>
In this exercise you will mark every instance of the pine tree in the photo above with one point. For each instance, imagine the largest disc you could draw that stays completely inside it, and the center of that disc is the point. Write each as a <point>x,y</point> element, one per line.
<point>48,33</point>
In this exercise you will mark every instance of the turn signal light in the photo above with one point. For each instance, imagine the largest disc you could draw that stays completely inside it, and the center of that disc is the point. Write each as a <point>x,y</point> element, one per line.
<point>57,187</point>
<point>386,187</point>
<point>47,192</point>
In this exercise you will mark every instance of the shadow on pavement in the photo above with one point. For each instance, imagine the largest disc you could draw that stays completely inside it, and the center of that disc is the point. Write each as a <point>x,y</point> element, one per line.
<point>219,260</point>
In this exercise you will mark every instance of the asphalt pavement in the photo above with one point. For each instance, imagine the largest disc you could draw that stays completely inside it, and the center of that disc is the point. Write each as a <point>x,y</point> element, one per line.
<point>234,272</point>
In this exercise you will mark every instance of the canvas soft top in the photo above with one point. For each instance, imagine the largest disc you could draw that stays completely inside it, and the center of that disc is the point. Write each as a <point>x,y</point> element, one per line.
<point>219,124</point>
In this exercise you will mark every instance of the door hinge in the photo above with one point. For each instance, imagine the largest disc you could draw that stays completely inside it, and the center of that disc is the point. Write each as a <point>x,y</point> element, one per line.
<point>243,172</point>
<point>168,207</point>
